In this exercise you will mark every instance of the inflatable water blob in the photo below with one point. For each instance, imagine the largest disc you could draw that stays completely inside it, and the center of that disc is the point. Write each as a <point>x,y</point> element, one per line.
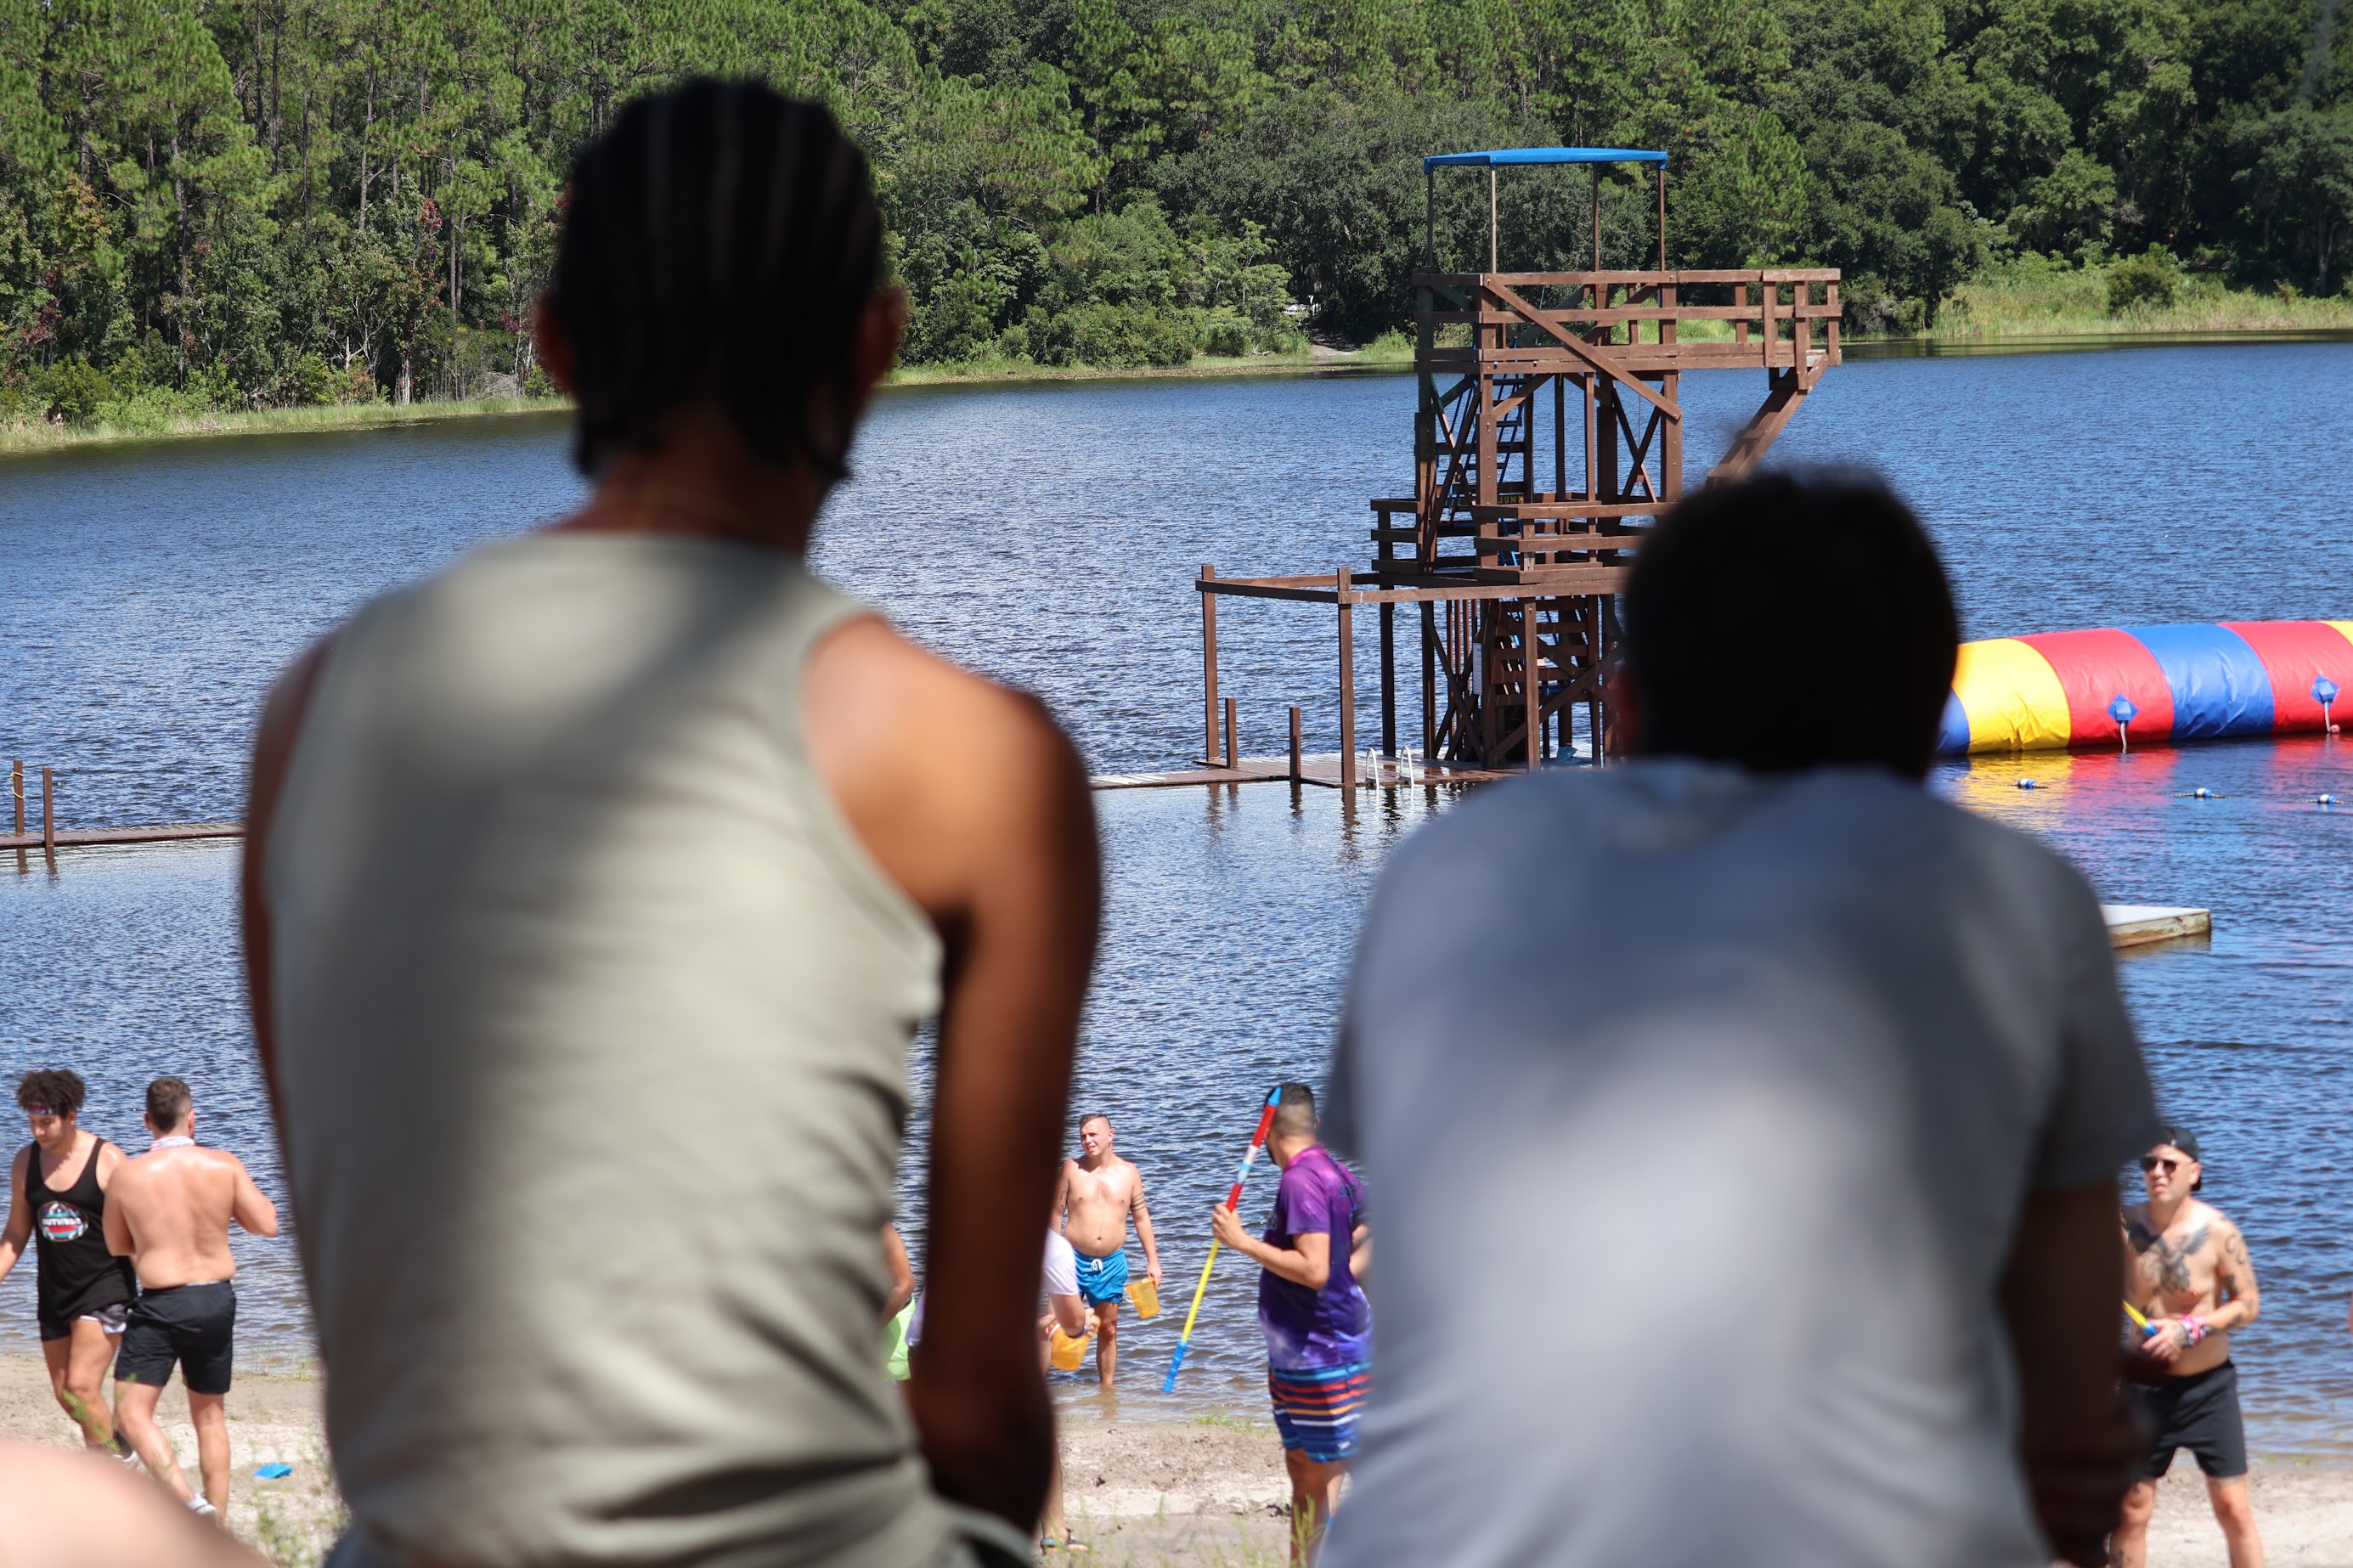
<point>2148,685</point>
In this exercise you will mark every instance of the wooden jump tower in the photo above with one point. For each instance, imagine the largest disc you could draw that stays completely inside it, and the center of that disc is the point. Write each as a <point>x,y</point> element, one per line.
<point>1548,437</point>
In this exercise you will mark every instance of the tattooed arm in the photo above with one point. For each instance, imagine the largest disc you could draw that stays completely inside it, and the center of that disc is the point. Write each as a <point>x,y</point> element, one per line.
<point>2234,1283</point>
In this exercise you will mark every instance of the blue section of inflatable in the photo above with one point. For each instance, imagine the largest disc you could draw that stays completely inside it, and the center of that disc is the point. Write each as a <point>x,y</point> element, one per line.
<point>2220,684</point>
<point>1953,735</point>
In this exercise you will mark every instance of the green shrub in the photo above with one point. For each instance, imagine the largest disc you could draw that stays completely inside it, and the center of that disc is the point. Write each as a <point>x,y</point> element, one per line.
<point>76,391</point>
<point>1122,337</point>
<point>2152,280</point>
<point>1225,334</point>
<point>311,380</point>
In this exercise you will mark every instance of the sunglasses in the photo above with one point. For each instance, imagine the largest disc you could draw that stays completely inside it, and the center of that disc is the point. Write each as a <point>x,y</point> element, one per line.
<point>2151,1162</point>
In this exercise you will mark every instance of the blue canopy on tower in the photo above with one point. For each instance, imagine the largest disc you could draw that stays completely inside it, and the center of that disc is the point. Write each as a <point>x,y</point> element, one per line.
<point>1543,156</point>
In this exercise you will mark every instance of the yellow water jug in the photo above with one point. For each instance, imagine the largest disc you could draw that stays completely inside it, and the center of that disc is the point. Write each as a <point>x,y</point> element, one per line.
<point>1145,1296</point>
<point>1064,1352</point>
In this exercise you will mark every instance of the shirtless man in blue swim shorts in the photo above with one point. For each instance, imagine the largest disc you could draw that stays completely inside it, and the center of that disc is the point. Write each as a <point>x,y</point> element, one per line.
<point>1098,1192</point>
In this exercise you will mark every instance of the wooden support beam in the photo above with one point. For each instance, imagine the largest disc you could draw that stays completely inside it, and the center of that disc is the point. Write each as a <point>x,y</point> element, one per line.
<point>17,788</point>
<point>1233,744</point>
<point>1348,683</point>
<point>1208,669</point>
<point>1294,743</point>
<point>49,815</point>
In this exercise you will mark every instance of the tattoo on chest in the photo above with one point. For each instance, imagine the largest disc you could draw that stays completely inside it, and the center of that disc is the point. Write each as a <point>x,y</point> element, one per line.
<point>2169,1260</point>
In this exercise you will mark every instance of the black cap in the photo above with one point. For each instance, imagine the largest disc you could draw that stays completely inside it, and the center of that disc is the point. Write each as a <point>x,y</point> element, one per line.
<point>2180,1137</point>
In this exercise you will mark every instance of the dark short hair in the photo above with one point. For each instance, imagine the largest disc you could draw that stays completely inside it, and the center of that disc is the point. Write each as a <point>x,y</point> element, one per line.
<point>59,1089</point>
<point>167,1101</point>
<point>1094,1116</point>
<point>720,241</point>
<point>1294,1110</point>
<point>1791,622</point>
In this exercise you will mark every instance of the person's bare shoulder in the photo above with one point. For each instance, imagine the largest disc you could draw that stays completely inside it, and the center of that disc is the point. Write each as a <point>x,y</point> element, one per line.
<point>946,776</point>
<point>111,1162</point>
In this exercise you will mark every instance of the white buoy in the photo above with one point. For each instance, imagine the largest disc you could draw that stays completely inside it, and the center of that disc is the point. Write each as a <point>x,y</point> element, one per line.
<point>2201,792</point>
<point>2026,783</point>
<point>2327,800</point>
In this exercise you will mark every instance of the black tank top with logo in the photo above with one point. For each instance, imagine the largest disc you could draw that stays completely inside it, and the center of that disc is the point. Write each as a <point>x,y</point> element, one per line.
<point>78,1274</point>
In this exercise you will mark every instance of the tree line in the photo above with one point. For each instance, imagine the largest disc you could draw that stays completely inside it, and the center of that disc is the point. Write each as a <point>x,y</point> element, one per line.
<point>246,203</point>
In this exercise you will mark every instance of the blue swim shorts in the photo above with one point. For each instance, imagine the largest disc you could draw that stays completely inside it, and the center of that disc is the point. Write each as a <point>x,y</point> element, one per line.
<point>1101,1279</point>
<point>1315,1409</point>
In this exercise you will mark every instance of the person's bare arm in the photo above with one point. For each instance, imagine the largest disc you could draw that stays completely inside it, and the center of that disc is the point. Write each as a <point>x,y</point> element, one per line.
<point>1360,1253</point>
<point>2076,1440</point>
<point>1306,1261</point>
<point>250,1206</point>
<point>20,1228</point>
<point>115,1223</point>
<point>1143,1212</point>
<point>901,1273</point>
<point>1058,1214</point>
<point>108,1159</point>
<point>976,805</point>
<point>1070,1314</point>
<point>2234,1282</point>
<point>273,748</point>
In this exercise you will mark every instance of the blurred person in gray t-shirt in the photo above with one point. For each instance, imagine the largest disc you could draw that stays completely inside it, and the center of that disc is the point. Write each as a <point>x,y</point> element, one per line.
<point>1808,1089</point>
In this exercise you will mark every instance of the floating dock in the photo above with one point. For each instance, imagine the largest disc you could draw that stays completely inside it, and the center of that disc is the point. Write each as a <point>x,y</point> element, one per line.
<point>2138,925</point>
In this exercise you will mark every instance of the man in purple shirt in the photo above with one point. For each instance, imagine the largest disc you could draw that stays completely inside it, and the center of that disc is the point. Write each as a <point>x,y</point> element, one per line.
<point>1318,1325</point>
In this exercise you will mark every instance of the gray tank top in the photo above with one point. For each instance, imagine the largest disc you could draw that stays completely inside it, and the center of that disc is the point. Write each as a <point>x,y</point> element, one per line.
<point>593,1022</point>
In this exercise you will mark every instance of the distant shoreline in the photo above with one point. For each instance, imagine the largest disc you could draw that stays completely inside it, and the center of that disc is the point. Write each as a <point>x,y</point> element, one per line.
<point>2047,336</point>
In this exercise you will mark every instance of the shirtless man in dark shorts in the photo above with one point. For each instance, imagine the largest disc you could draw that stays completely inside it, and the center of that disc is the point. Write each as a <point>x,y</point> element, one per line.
<point>171,1217</point>
<point>57,1198</point>
<point>1098,1190</point>
<point>2187,1270</point>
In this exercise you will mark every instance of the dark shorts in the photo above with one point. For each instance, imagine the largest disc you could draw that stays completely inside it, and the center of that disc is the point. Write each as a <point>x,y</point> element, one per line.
<point>2199,1413</point>
<point>104,1305</point>
<point>193,1327</point>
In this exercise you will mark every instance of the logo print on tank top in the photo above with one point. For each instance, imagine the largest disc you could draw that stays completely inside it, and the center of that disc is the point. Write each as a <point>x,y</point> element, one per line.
<point>62,1222</point>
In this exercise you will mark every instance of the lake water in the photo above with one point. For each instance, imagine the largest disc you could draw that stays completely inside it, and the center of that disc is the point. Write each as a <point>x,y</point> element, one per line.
<point>1047,535</point>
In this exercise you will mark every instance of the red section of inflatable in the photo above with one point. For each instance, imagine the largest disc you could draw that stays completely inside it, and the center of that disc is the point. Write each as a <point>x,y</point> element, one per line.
<point>2095,667</point>
<point>2294,653</point>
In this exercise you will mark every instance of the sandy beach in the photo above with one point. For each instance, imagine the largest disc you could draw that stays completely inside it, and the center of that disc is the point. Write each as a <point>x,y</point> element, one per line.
<point>1203,1493</point>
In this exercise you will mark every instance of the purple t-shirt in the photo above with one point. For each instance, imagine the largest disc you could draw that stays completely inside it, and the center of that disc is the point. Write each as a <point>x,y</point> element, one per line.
<point>1307,1329</point>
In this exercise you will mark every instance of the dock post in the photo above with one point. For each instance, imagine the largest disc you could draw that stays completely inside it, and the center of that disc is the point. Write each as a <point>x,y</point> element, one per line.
<point>1534,674</point>
<point>1294,744</point>
<point>1233,743</point>
<point>1210,670</point>
<point>1347,684</point>
<point>17,788</point>
<point>1429,682</point>
<point>49,820</point>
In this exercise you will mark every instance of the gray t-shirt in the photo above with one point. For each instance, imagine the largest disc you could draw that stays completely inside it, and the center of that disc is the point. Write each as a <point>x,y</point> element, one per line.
<point>1701,1108</point>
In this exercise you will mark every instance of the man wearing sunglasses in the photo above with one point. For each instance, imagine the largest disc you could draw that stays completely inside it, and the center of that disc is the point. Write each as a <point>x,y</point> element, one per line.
<point>2186,1271</point>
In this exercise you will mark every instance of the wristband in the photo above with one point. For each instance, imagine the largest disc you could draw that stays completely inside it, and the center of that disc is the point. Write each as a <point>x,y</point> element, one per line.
<point>2193,1330</point>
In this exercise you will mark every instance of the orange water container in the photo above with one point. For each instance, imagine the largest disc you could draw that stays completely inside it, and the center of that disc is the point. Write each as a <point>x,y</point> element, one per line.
<point>1065,1352</point>
<point>1144,1296</point>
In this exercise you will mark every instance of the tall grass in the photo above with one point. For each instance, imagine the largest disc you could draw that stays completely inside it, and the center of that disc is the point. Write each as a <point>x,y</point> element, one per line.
<point>42,435</point>
<point>2033,297</point>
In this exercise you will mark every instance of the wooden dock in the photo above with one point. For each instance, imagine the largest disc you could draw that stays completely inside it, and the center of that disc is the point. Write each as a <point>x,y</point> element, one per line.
<point>74,837</point>
<point>2138,925</point>
<point>1322,770</point>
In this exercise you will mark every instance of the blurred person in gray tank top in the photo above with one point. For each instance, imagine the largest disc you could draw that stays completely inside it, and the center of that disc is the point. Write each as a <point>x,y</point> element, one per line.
<point>594,888</point>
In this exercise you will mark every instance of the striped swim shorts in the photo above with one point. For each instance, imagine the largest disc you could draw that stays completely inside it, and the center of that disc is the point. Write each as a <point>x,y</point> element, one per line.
<point>1315,1410</point>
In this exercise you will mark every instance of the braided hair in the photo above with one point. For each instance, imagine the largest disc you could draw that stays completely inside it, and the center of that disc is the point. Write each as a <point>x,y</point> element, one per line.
<point>720,241</point>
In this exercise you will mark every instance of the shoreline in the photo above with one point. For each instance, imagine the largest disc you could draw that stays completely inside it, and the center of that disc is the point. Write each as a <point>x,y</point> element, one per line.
<point>33,439</point>
<point>1204,1491</point>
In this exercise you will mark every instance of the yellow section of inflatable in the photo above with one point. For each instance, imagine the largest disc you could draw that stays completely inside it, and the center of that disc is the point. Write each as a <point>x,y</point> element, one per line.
<point>2345,627</point>
<point>2012,697</point>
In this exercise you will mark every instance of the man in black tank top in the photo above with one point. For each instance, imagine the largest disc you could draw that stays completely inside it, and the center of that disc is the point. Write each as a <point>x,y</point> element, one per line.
<point>57,1198</point>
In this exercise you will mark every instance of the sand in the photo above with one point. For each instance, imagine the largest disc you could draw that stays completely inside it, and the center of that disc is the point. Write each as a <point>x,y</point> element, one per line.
<point>1162,1493</point>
